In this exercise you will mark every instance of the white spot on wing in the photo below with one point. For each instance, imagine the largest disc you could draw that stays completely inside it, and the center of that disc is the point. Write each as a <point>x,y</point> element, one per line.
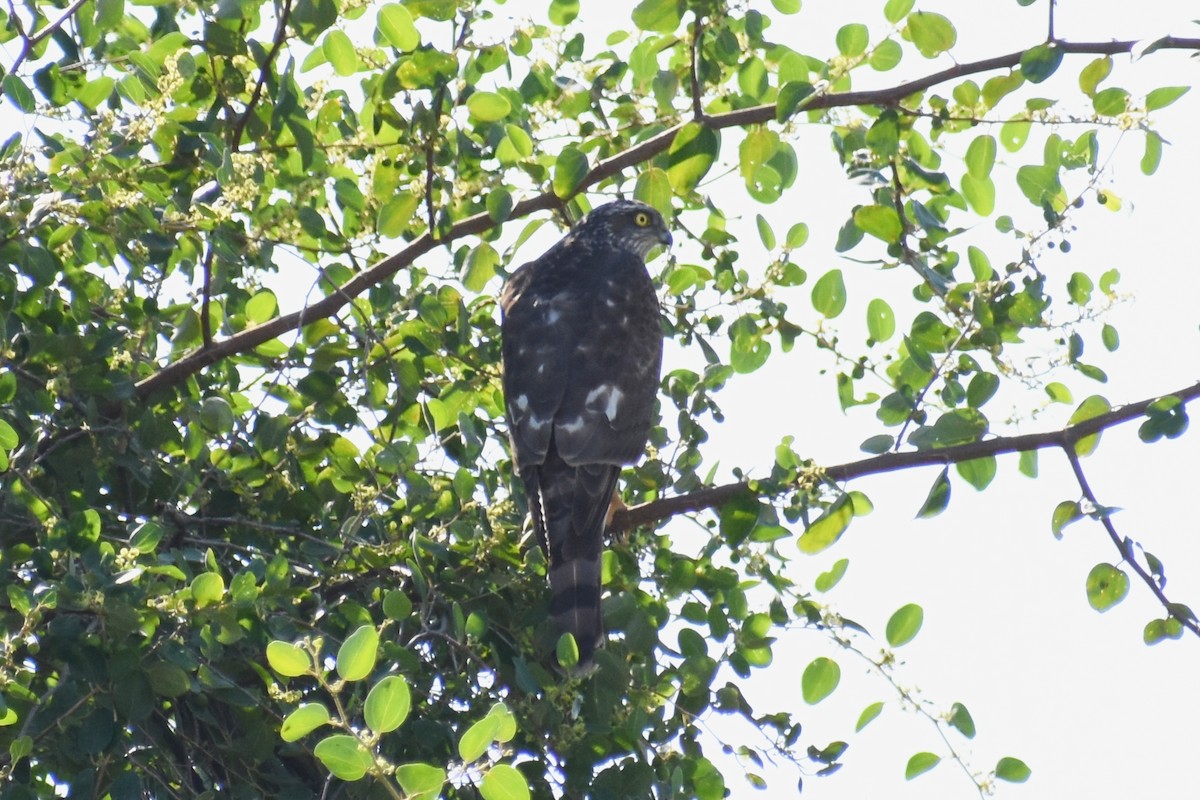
<point>522,403</point>
<point>574,426</point>
<point>537,423</point>
<point>614,401</point>
<point>553,316</point>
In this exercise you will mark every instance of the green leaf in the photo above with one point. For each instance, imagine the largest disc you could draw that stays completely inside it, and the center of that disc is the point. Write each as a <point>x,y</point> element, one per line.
<point>339,50</point>
<point>881,321</point>
<point>797,235</point>
<point>1014,133</point>
<point>981,156</point>
<point>654,188</point>
<point>896,10</point>
<point>503,782</point>
<point>786,6</point>
<point>1157,630</point>
<point>882,222</point>
<point>820,678</point>
<point>207,589</point>
<point>827,580</point>
<point>344,756</point>
<point>420,781</point>
<point>1027,463</point>
<point>827,528</point>
<point>1093,406</point>
<point>16,91</point>
<point>1106,586</point>
<point>1065,513</point>
<point>960,718</point>
<point>659,16</point>
<point>303,721</point>
<point>478,738</point>
<point>387,704</point>
<point>109,13</point>
<point>1079,287</point>
<point>791,97</point>
<point>261,307</point>
<point>1111,102</point>
<point>1165,96</point>
<point>563,12</point>
<point>764,232</point>
<point>921,762</point>
<point>933,34</point>
<point>852,39</point>
<point>691,155</point>
<point>96,91</point>
<point>1152,156</point>
<point>868,714</point>
<point>978,472</point>
<point>877,444</point>
<point>1095,72</point>
<point>980,194</point>
<point>396,605</point>
<point>1039,63</point>
<point>1058,392</point>
<point>356,657</point>
<point>748,349</point>
<point>396,25</point>
<point>396,214</point>
<point>489,106</point>
<point>829,294</point>
<point>499,204</point>
<point>1039,184</point>
<point>1012,770</point>
<point>904,624</point>
<point>567,651</point>
<point>981,388</point>
<point>8,436</point>
<point>480,267</point>
<point>938,498</point>
<point>886,55</point>
<point>570,168</point>
<point>288,660</point>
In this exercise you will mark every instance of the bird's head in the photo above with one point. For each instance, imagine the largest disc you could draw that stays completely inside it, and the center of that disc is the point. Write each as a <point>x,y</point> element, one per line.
<point>625,225</point>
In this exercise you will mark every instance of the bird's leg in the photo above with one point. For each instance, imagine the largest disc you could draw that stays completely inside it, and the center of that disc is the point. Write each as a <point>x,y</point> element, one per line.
<point>614,506</point>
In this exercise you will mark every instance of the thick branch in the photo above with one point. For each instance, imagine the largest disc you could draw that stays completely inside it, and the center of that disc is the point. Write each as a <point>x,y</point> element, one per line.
<point>715,496</point>
<point>244,341</point>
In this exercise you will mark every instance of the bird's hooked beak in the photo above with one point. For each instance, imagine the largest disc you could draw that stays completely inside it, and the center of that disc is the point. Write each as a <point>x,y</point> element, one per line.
<point>664,238</point>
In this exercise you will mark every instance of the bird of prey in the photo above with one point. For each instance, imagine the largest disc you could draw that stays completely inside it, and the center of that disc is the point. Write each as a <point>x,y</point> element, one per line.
<point>582,351</point>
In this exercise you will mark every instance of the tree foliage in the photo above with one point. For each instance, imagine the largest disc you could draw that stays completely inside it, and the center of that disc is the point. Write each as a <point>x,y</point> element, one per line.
<point>259,531</point>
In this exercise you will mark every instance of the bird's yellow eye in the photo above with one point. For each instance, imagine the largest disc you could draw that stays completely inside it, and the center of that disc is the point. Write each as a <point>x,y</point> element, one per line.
<point>641,219</point>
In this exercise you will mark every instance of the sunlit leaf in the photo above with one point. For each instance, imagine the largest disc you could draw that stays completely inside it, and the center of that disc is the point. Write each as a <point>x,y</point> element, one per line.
<point>904,624</point>
<point>920,763</point>
<point>820,678</point>
<point>356,657</point>
<point>1106,586</point>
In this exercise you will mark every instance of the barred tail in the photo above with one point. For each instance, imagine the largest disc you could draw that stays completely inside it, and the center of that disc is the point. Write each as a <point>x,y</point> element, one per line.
<point>569,507</point>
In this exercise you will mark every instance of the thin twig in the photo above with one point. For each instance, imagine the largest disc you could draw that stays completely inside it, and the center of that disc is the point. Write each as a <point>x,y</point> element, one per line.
<point>1106,520</point>
<point>206,297</point>
<point>280,37</point>
<point>30,41</point>
<point>697,34</point>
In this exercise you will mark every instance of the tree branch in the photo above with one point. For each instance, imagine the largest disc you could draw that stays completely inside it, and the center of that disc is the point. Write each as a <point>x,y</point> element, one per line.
<point>1148,579</point>
<point>280,37</point>
<point>716,496</point>
<point>175,373</point>
<point>31,40</point>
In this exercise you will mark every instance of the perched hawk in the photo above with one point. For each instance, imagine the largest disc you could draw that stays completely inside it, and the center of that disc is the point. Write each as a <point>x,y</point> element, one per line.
<point>582,349</point>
